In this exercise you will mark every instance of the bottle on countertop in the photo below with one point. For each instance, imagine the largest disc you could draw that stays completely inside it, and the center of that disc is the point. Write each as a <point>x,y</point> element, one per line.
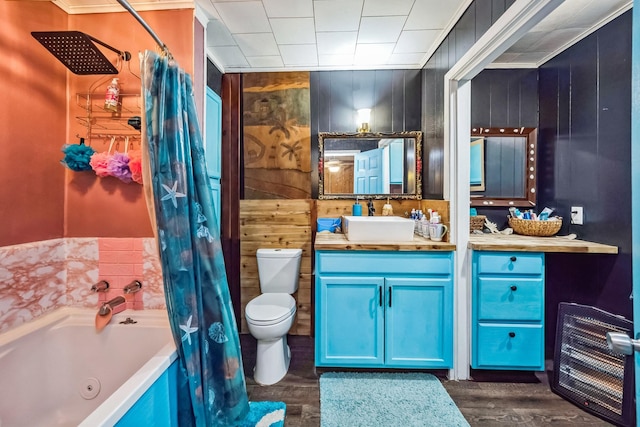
<point>424,227</point>
<point>112,96</point>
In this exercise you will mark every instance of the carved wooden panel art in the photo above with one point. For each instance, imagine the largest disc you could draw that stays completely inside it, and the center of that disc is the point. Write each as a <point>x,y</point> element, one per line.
<point>276,135</point>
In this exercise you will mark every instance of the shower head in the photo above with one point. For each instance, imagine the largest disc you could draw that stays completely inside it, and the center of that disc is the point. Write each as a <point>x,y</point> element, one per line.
<point>77,51</point>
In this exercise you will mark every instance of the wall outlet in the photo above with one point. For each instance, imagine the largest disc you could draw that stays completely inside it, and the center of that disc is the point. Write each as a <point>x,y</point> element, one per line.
<point>577,215</point>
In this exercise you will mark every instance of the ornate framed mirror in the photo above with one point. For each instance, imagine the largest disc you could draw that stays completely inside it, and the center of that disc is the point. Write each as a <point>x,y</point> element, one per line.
<point>370,165</point>
<point>509,166</point>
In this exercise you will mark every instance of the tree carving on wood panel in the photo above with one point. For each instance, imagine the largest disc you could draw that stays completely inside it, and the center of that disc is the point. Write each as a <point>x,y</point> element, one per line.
<point>276,135</point>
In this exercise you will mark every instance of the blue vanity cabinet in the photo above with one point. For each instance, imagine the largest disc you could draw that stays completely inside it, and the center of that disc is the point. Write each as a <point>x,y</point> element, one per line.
<point>384,309</point>
<point>508,310</point>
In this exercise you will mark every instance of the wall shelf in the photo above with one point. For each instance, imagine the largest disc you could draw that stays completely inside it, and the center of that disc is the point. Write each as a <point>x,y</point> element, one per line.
<point>100,123</point>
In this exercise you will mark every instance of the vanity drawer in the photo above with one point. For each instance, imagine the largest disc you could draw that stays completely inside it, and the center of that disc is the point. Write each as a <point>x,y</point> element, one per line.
<point>517,298</point>
<point>510,263</point>
<point>366,262</point>
<point>505,346</point>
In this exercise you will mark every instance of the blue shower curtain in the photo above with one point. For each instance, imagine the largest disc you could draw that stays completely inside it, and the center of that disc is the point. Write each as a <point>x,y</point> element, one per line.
<point>211,389</point>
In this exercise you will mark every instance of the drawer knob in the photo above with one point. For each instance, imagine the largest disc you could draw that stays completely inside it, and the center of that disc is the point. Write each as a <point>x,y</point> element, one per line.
<point>513,259</point>
<point>512,334</point>
<point>514,288</point>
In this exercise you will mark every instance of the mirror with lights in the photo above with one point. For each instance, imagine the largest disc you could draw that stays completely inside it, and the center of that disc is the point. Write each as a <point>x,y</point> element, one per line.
<point>370,165</point>
<point>503,167</point>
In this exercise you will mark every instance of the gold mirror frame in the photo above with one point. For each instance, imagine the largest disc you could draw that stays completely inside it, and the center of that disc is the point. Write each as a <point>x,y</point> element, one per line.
<point>416,135</point>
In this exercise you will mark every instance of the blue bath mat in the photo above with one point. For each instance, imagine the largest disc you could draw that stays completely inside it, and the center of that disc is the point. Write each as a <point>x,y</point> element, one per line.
<point>386,399</point>
<point>265,414</point>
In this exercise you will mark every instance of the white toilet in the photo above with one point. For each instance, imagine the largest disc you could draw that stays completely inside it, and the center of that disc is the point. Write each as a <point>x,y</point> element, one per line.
<point>270,315</point>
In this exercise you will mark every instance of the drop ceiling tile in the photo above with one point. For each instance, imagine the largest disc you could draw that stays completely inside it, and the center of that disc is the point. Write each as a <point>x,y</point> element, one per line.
<point>432,14</point>
<point>373,53</point>
<point>405,59</point>
<point>561,16</point>
<point>555,39</point>
<point>289,8</point>
<point>293,30</point>
<point>299,54</point>
<point>347,18</point>
<point>528,41</point>
<point>596,11</point>
<point>335,60</point>
<point>257,44</point>
<point>416,41</point>
<point>530,57</point>
<point>244,16</point>
<point>218,34</point>
<point>376,29</point>
<point>507,57</point>
<point>386,7</point>
<point>265,61</point>
<point>338,42</point>
<point>231,56</point>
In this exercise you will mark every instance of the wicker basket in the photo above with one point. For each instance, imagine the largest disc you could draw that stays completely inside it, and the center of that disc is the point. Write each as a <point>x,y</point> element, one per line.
<point>477,222</point>
<point>530,227</point>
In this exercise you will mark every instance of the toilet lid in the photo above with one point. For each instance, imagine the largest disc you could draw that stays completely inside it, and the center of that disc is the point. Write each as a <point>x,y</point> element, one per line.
<point>268,309</point>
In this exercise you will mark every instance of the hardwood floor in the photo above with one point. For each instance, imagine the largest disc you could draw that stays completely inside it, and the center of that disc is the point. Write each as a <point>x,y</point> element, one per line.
<point>489,401</point>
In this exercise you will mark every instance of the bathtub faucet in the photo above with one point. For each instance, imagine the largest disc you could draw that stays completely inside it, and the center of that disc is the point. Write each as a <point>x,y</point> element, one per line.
<point>101,286</point>
<point>133,287</point>
<point>110,305</point>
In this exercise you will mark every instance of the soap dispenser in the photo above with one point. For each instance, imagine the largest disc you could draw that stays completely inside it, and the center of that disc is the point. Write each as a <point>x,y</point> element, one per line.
<point>112,96</point>
<point>356,209</point>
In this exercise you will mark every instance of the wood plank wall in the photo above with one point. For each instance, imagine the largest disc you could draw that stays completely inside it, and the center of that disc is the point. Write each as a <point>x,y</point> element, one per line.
<point>336,208</point>
<point>276,224</point>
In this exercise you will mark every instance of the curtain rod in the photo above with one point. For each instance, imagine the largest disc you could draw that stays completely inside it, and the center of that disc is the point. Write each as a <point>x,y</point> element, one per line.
<point>146,26</point>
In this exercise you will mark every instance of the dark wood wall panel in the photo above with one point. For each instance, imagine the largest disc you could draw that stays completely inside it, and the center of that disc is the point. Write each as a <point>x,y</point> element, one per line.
<point>214,77</point>
<point>231,183</point>
<point>584,151</point>
<point>392,95</point>
<point>502,98</point>
<point>476,20</point>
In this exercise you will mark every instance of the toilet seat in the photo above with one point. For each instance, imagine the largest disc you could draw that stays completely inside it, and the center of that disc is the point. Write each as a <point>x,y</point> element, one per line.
<point>269,309</point>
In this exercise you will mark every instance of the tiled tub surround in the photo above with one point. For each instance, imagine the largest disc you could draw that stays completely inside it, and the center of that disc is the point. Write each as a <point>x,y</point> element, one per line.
<point>38,277</point>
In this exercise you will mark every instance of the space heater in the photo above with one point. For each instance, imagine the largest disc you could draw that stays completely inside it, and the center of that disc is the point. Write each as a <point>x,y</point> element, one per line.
<point>586,372</point>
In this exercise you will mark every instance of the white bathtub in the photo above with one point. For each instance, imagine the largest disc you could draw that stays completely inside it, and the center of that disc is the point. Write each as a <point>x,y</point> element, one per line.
<point>58,371</point>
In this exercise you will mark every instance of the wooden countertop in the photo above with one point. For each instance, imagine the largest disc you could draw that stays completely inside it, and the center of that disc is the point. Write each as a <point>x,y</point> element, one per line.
<point>515,242</point>
<point>338,241</point>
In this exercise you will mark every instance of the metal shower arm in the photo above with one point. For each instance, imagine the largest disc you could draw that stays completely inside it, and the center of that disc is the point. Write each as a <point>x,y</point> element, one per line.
<point>124,54</point>
<point>142,22</point>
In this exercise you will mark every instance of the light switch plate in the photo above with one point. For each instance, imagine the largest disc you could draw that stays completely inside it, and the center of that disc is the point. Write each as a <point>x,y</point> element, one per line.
<point>577,215</point>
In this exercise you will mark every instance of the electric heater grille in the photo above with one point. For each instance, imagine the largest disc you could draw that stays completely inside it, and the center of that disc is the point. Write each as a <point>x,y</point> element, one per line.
<point>586,372</point>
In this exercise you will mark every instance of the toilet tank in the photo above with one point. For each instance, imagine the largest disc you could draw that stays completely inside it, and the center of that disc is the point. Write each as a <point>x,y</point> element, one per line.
<point>278,270</point>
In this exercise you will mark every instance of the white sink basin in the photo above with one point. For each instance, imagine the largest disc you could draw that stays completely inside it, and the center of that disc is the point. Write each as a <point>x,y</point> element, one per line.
<point>378,228</point>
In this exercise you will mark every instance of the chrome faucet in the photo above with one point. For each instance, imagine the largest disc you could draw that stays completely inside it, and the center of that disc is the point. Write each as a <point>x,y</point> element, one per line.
<point>101,286</point>
<point>133,287</point>
<point>108,306</point>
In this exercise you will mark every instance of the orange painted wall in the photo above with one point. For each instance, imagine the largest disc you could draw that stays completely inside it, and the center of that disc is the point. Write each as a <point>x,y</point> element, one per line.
<point>39,198</point>
<point>32,125</point>
<point>106,207</point>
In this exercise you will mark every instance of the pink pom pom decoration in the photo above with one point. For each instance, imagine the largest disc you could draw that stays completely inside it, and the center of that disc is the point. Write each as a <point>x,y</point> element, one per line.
<point>99,162</point>
<point>135,165</point>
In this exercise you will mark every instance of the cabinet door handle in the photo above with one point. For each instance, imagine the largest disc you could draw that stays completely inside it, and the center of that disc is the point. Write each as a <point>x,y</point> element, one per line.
<point>380,295</point>
<point>390,296</point>
<point>513,259</point>
<point>514,288</point>
<point>512,334</point>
